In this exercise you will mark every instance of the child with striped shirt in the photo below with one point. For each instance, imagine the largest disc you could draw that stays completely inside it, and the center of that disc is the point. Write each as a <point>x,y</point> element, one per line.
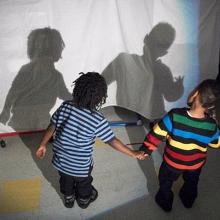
<point>75,125</point>
<point>187,132</point>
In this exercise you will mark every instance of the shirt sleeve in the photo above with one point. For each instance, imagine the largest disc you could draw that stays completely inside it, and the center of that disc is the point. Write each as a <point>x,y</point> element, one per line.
<point>158,134</point>
<point>104,131</point>
<point>55,116</point>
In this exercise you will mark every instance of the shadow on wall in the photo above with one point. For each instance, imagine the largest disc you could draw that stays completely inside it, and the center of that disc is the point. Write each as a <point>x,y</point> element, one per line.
<point>36,87</point>
<point>143,82</point>
<point>44,165</point>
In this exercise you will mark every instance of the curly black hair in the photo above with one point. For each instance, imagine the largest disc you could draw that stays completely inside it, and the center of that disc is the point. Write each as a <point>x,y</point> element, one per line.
<point>90,91</point>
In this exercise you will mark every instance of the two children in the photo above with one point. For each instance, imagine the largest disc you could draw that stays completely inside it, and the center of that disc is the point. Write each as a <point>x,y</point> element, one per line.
<point>75,125</point>
<point>187,133</point>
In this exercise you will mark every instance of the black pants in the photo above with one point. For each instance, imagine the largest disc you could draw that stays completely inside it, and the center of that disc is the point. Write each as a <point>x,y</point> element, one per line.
<point>81,187</point>
<point>188,192</point>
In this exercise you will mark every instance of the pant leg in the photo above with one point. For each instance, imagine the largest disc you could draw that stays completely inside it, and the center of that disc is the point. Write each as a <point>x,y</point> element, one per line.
<point>67,184</point>
<point>164,196</point>
<point>84,186</point>
<point>189,191</point>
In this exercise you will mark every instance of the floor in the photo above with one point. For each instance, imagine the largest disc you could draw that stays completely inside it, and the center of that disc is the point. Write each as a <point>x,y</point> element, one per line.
<point>29,186</point>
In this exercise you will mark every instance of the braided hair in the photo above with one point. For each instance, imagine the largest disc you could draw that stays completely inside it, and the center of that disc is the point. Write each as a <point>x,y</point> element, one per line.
<point>90,91</point>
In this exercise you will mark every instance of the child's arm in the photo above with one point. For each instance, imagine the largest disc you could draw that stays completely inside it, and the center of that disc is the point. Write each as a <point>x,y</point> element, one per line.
<point>158,134</point>
<point>119,146</point>
<point>49,132</point>
<point>41,151</point>
<point>215,143</point>
<point>148,145</point>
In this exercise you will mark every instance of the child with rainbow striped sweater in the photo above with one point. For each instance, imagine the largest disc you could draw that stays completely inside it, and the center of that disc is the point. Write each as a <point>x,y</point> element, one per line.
<point>187,132</point>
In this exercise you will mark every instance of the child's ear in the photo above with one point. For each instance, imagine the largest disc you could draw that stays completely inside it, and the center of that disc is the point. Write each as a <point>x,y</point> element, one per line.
<point>192,97</point>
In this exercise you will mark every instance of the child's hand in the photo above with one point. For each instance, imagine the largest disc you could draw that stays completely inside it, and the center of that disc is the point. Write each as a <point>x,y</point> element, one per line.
<point>140,155</point>
<point>41,151</point>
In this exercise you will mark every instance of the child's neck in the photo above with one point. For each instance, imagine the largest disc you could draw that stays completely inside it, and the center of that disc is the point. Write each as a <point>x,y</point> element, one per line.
<point>197,111</point>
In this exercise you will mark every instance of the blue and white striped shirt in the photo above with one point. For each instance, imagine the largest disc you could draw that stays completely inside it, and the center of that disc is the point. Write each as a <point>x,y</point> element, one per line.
<point>75,133</point>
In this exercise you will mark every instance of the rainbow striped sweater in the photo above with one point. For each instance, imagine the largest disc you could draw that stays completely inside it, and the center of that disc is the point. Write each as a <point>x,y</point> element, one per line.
<point>187,139</point>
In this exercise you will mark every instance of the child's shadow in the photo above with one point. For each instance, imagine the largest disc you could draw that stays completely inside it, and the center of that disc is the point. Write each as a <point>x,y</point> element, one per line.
<point>44,165</point>
<point>38,84</point>
<point>149,166</point>
<point>145,82</point>
<point>35,90</point>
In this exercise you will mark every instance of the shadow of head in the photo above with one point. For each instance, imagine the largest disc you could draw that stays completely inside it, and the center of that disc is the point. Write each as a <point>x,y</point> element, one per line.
<point>45,43</point>
<point>159,40</point>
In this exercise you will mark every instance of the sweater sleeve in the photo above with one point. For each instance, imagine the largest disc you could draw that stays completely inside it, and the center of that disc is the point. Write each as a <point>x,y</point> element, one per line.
<point>215,141</point>
<point>158,134</point>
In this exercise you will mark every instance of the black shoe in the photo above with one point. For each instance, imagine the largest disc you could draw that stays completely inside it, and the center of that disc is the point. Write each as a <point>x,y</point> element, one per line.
<point>69,201</point>
<point>186,201</point>
<point>165,205</point>
<point>84,203</point>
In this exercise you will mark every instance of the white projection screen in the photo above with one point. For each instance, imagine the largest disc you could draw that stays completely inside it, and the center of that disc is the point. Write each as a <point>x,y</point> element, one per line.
<point>151,52</point>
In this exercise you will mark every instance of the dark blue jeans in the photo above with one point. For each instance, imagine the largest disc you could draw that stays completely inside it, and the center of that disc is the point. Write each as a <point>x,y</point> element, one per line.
<point>188,191</point>
<point>81,187</point>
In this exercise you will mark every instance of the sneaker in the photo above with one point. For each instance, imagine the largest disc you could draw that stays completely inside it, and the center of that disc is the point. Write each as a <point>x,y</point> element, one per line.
<point>187,201</point>
<point>165,205</point>
<point>69,201</point>
<point>84,203</point>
